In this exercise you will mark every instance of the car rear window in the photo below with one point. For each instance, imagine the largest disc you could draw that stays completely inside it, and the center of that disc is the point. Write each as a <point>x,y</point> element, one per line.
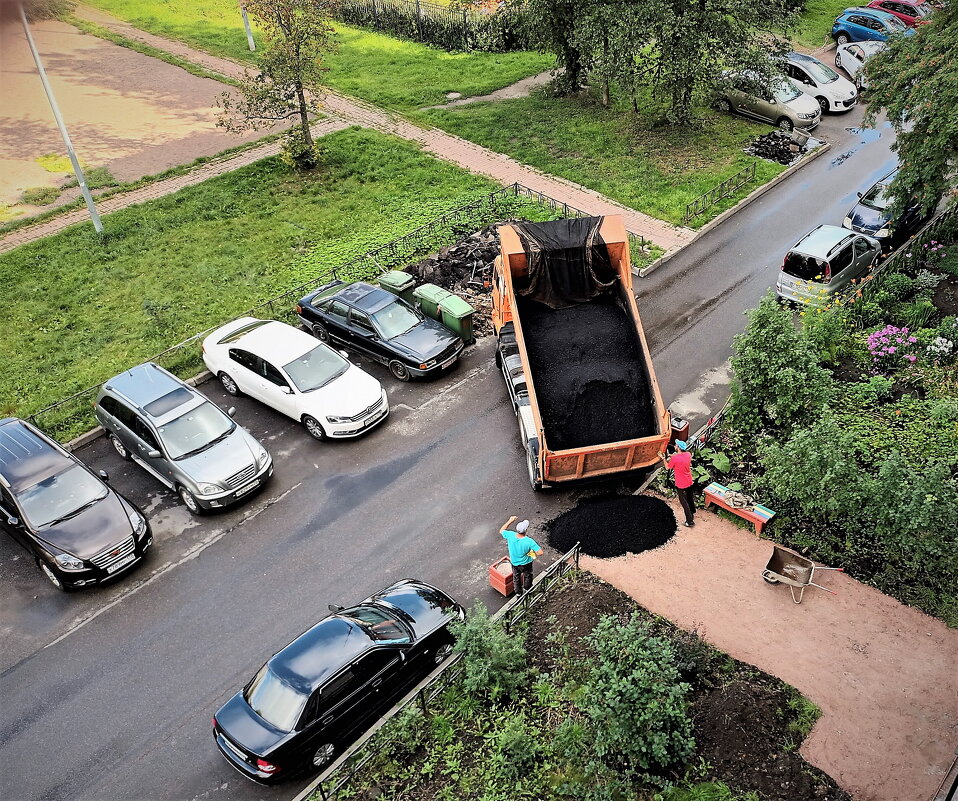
<point>242,331</point>
<point>806,268</point>
<point>274,701</point>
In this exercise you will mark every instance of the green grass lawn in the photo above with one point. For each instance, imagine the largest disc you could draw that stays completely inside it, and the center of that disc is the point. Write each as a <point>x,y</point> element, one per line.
<point>654,171</point>
<point>815,23</point>
<point>388,72</point>
<point>78,309</point>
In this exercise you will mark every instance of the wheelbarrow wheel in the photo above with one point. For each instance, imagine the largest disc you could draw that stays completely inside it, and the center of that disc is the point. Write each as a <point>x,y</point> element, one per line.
<point>768,578</point>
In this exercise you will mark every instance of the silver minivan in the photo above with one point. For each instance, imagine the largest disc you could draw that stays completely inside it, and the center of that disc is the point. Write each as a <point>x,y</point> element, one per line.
<point>824,262</point>
<point>181,438</point>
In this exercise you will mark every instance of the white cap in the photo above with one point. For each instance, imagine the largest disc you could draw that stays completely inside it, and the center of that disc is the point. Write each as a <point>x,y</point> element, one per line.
<point>522,526</point>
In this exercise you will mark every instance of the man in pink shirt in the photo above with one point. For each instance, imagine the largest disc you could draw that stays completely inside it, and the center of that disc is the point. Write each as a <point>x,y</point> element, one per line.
<point>680,463</point>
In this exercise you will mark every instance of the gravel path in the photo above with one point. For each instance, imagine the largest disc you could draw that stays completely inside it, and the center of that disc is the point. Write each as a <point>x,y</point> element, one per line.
<point>882,672</point>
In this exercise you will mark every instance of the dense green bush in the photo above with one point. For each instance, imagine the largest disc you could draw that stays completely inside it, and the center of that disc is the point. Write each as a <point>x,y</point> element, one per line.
<point>495,662</point>
<point>636,701</point>
<point>778,381</point>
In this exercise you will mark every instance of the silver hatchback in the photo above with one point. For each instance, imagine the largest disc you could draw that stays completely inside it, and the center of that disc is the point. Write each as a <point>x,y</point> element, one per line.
<point>824,262</point>
<point>782,105</point>
<point>182,439</point>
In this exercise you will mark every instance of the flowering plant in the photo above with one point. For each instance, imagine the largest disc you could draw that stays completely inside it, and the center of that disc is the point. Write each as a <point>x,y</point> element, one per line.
<point>891,347</point>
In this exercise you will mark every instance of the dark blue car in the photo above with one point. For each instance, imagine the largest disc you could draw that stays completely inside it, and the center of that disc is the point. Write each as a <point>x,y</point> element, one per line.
<point>867,24</point>
<point>870,216</point>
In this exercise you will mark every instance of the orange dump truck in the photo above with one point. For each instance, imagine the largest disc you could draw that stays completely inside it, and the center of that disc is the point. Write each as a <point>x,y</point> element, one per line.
<point>572,350</point>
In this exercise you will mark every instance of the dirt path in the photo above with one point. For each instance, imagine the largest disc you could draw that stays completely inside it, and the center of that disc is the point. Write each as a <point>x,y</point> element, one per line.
<point>450,148</point>
<point>521,88</point>
<point>883,673</point>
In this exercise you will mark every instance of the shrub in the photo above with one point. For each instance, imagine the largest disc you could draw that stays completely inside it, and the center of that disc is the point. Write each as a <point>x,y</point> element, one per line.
<point>636,701</point>
<point>898,286</point>
<point>40,195</point>
<point>825,327</point>
<point>495,663</point>
<point>778,380</point>
<point>517,747</point>
<point>917,314</point>
<point>926,282</point>
<point>891,348</point>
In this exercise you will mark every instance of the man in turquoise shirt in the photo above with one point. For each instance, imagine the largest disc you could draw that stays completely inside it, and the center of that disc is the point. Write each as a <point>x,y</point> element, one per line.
<point>522,550</point>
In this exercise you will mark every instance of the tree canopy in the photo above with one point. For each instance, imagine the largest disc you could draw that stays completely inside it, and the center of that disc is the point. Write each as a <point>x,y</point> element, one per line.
<point>915,83</point>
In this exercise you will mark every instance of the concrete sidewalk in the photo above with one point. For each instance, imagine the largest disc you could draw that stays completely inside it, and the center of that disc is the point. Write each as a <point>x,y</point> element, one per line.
<point>883,673</point>
<point>348,111</point>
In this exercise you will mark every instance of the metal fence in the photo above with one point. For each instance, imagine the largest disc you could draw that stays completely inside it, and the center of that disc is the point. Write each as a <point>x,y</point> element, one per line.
<point>379,738</point>
<point>727,188</point>
<point>70,415</point>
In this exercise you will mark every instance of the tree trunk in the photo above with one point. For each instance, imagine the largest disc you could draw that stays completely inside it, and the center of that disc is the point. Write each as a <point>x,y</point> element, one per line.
<point>304,115</point>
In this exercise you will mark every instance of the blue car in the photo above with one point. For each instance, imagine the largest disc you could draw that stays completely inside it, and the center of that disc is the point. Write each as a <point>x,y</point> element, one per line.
<point>867,24</point>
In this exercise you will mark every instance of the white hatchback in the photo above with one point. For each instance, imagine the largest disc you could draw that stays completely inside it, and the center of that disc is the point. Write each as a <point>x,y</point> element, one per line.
<point>287,369</point>
<point>830,90</point>
<point>853,56</point>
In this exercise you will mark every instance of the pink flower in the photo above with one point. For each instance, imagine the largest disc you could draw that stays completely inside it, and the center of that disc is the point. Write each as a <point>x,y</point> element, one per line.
<point>911,358</point>
<point>891,349</point>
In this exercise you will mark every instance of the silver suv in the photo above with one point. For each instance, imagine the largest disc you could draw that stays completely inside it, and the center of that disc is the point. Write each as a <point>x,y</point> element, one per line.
<point>177,435</point>
<point>824,262</point>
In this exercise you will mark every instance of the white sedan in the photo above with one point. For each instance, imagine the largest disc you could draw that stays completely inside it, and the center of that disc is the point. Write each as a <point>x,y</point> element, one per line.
<point>851,57</point>
<point>287,369</point>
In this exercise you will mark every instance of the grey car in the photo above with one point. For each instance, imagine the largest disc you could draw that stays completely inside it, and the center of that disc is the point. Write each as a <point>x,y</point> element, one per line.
<point>824,262</point>
<point>782,105</point>
<point>181,438</point>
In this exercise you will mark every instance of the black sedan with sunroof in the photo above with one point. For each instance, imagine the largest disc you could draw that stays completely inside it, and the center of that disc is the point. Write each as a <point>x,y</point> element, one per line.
<point>329,685</point>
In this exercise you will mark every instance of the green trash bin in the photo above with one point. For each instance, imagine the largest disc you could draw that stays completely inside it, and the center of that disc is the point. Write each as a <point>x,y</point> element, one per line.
<point>399,283</point>
<point>428,297</point>
<point>456,315</point>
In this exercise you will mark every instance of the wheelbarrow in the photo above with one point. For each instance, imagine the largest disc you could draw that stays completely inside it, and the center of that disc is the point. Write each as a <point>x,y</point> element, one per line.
<point>786,567</point>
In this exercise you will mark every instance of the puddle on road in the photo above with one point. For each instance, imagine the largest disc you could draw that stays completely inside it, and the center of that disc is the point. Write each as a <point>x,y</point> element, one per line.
<point>842,158</point>
<point>867,135</point>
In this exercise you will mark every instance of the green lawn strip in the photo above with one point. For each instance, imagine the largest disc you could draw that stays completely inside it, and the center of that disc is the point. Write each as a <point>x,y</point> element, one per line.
<point>79,308</point>
<point>654,171</point>
<point>815,22</point>
<point>389,72</point>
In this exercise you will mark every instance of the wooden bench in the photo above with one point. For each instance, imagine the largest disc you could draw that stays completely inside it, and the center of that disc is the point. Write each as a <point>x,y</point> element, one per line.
<point>758,514</point>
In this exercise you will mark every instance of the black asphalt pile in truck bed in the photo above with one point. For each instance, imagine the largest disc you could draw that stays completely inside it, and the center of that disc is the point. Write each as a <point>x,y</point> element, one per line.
<point>609,527</point>
<point>587,369</point>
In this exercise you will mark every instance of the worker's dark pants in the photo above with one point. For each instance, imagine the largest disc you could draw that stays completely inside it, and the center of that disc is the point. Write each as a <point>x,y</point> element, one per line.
<point>522,578</point>
<point>687,499</point>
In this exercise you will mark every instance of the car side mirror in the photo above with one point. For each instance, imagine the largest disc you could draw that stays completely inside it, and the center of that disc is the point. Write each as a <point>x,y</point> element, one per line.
<point>13,521</point>
<point>860,195</point>
<point>231,411</point>
<point>154,454</point>
<point>287,390</point>
<point>335,608</point>
<point>104,475</point>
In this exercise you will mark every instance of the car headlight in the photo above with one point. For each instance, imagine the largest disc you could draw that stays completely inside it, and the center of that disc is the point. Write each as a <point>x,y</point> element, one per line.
<point>809,116</point>
<point>69,562</point>
<point>334,419</point>
<point>882,232</point>
<point>207,489</point>
<point>428,365</point>
<point>138,522</point>
<point>262,457</point>
<point>847,222</point>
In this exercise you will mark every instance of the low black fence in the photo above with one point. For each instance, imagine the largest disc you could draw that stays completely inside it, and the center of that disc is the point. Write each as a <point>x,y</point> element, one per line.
<point>726,189</point>
<point>328,785</point>
<point>451,28</point>
<point>72,415</point>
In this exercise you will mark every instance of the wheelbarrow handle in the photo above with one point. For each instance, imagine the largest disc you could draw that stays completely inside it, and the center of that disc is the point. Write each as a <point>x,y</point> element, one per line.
<point>813,584</point>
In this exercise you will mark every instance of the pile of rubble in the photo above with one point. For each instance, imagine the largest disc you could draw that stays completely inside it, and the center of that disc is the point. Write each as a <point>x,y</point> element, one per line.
<point>777,146</point>
<point>465,268</point>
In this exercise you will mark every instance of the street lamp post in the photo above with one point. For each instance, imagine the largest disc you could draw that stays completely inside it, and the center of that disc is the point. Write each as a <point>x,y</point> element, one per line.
<point>77,170</point>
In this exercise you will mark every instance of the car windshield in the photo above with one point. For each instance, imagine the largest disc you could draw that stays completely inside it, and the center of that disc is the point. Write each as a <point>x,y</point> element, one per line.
<point>922,10</point>
<point>784,92</point>
<point>275,702</point>
<point>395,319</point>
<point>195,431</point>
<point>378,624</point>
<point>822,73</point>
<point>894,24</point>
<point>316,369</point>
<point>805,268</point>
<point>60,496</point>
<point>877,197</point>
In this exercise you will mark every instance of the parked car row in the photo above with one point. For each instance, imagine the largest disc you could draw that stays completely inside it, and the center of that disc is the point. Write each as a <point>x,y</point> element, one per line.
<point>81,531</point>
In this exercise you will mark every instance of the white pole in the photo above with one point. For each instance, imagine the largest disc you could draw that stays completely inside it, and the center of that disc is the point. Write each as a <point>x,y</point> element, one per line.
<point>77,170</point>
<point>249,31</point>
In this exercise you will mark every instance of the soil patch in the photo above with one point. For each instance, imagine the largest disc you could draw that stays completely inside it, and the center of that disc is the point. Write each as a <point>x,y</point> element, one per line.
<point>848,370</point>
<point>946,296</point>
<point>590,378</point>
<point>609,527</point>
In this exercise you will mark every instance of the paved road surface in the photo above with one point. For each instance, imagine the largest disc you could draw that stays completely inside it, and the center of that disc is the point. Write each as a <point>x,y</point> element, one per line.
<point>117,706</point>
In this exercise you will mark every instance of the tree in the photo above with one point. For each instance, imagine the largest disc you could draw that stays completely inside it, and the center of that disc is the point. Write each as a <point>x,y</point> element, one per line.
<point>551,27</point>
<point>297,36</point>
<point>915,82</point>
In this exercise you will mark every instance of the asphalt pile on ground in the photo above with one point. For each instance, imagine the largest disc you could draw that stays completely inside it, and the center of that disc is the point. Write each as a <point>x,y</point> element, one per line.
<point>465,269</point>
<point>588,371</point>
<point>776,146</point>
<point>613,526</point>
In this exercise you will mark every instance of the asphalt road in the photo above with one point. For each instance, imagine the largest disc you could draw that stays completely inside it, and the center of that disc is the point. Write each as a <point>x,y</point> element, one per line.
<point>108,693</point>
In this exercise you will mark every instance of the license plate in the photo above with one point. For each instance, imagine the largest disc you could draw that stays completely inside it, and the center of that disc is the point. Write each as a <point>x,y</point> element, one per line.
<point>448,362</point>
<point>247,488</point>
<point>233,748</point>
<point>370,420</point>
<point>122,563</point>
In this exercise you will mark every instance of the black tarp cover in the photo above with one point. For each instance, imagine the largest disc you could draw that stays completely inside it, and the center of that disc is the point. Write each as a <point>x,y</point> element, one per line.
<point>568,261</point>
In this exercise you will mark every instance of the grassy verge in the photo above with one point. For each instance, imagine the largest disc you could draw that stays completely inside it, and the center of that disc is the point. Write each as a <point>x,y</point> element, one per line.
<point>79,308</point>
<point>382,70</point>
<point>815,23</point>
<point>656,171</point>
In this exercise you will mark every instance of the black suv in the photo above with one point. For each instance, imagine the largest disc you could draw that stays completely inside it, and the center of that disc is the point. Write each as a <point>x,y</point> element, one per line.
<point>78,529</point>
<point>332,683</point>
<point>377,324</point>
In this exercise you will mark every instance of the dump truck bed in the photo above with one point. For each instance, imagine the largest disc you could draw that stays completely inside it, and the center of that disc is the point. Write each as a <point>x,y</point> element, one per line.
<point>588,401</point>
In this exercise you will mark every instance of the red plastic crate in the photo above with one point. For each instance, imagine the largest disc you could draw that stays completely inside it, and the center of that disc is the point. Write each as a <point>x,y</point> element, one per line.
<point>500,576</point>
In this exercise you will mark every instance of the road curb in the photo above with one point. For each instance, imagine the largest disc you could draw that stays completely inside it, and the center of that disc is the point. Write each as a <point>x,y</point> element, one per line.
<point>745,201</point>
<point>95,433</point>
